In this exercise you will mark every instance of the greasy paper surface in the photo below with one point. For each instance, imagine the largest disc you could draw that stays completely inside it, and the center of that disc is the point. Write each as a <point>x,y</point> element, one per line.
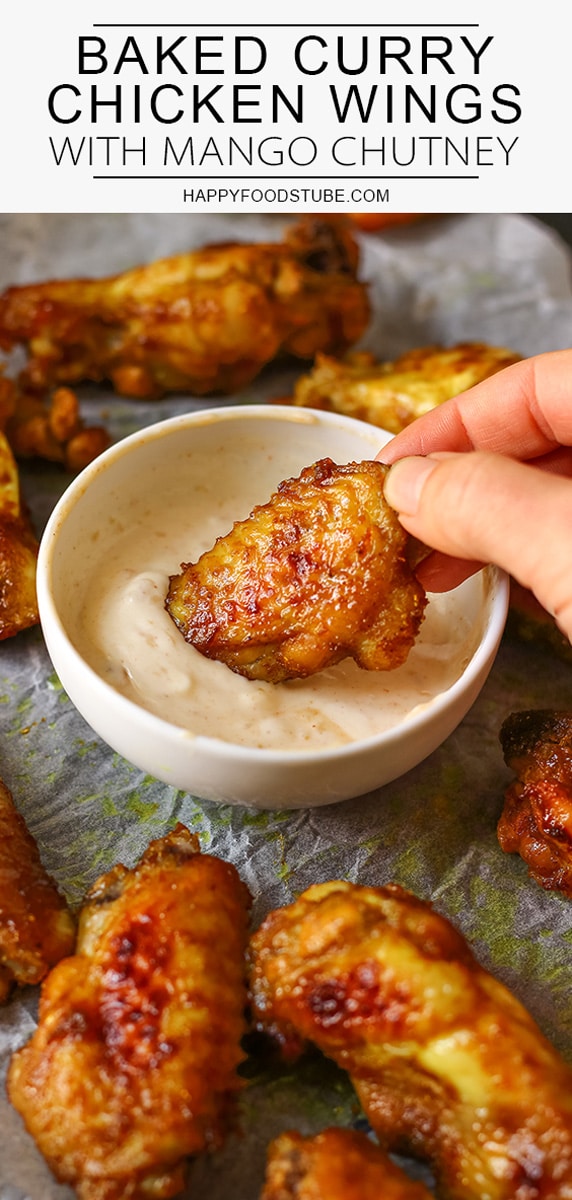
<point>499,278</point>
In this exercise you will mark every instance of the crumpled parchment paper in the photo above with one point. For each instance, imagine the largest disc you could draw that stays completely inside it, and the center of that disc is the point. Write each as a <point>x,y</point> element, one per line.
<point>502,278</point>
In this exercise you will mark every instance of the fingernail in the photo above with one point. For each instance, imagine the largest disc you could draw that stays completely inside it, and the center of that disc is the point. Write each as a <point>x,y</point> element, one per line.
<point>405,482</point>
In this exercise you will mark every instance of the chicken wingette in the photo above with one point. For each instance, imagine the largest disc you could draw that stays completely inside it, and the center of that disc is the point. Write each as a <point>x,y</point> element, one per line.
<point>200,322</point>
<point>393,394</point>
<point>18,552</point>
<point>447,1064</point>
<point>133,1066</point>
<point>317,574</point>
<point>36,927</point>
<point>338,1164</point>
<point>536,821</point>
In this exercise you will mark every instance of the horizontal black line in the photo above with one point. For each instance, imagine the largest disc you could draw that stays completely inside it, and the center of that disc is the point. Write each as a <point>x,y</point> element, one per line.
<point>291,25</point>
<point>363,179</point>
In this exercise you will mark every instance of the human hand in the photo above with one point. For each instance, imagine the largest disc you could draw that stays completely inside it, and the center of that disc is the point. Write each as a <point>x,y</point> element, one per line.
<point>487,477</point>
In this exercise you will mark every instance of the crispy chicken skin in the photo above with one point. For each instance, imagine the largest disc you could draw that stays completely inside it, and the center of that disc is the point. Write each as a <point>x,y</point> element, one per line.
<point>133,1065</point>
<point>204,321</point>
<point>49,427</point>
<point>18,552</point>
<point>36,928</point>
<point>32,426</point>
<point>317,574</point>
<point>393,394</point>
<point>447,1064</point>
<point>537,817</point>
<point>338,1164</point>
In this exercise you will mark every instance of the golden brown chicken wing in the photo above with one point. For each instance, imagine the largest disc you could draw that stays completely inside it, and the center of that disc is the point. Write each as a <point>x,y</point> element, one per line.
<point>36,928</point>
<point>18,552</point>
<point>204,321</point>
<point>338,1164</point>
<point>537,818</point>
<point>50,427</point>
<point>447,1064</point>
<point>133,1065</point>
<point>393,394</point>
<point>317,574</point>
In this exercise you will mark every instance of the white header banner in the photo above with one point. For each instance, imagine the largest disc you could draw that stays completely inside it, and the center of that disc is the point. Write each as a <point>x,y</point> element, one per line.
<point>149,107</point>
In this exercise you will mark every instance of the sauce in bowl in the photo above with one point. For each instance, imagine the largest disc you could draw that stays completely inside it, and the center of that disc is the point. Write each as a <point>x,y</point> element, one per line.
<point>125,634</point>
<point>162,497</point>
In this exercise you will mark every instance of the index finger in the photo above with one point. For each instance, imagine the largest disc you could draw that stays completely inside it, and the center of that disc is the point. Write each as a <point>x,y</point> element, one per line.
<point>524,411</point>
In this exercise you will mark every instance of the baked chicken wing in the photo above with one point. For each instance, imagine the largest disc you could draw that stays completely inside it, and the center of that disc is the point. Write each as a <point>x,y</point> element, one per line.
<point>537,818</point>
<point>338,1164</point>
<point>49,427</point>
<point>393,394</point>
<point>317,574</point>
<point>33,426</point>
<point>36,928</point>
<point>447,1064</point>
<point>133,1065</point>
<point>18,552</point>
<point>204,321</point>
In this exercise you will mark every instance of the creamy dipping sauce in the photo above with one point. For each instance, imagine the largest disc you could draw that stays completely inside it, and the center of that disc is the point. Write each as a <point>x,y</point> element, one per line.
<point>128,638</point>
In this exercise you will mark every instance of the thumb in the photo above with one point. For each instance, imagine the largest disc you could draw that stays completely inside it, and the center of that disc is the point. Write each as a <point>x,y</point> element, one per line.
<point>492,509</point>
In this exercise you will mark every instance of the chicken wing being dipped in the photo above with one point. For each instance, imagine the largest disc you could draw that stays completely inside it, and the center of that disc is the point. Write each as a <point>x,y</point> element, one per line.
<point>447,1064</point>
<point>338,1164</point>
<point>393,394</point>
<point>204,321</point>
<point>537,817</point>
<point>18,552</point>
<point>133,1065</point>
<point>317,574</point>
<point>36,928</point>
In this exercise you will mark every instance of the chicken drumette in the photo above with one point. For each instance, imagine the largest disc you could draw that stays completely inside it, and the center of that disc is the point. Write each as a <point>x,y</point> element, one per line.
<point>133,1065</point>
<point>18,552</point>
<point>32,426</point>
<point>447,1064</point>
<point>36,928</point>
<point>203,321</point>
<point>537,817</point>
<point>48,426</point>
<point>393,394</point>
<point>317,574</point>
<point>338,1164</point>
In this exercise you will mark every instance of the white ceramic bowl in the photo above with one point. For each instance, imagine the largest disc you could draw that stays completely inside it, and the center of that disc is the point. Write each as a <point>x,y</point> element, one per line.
<point>214,465</point>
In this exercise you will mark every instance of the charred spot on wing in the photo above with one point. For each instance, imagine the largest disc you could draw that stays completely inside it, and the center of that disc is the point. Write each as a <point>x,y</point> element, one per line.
<point>326,245</point>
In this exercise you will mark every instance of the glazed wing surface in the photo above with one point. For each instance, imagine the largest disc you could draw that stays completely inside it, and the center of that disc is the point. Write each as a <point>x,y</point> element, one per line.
<point>447,1064</point>
<point>49,427</point>
<point>317,574</point>
<point>393,394</point>
<point>36,928</point>
<point>133,1065</point>
<point>338,1164</point>
<point>18,552</point>
<point>203,321</point>
<point>536,821</point>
